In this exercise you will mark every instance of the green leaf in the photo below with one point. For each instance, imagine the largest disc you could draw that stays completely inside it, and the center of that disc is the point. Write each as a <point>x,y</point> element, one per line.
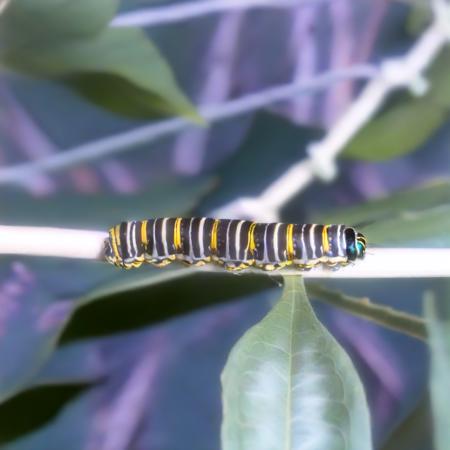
<point>396,132</point>
<point>419,17</point>
<point>26,22</point>
<point>33,408</point>
<point>117,68</point>
<point>407,121</point>
<point>129,99</point>
<point>438,315</point>
<point>288,384</point>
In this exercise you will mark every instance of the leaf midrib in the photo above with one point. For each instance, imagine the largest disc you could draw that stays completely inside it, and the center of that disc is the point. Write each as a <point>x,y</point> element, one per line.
<point>289,387</point>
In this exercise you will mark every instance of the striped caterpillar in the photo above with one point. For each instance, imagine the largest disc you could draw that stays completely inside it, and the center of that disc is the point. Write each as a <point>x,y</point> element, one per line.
<point>236,244</point>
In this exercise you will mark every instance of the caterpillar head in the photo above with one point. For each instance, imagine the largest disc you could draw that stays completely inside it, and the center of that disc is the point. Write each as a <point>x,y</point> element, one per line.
<point>356,244</point>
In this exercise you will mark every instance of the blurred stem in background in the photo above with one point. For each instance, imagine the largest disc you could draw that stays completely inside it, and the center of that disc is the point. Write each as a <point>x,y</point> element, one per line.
<point>402,322</point>
<point>190,10</point>
<point>127,141</point>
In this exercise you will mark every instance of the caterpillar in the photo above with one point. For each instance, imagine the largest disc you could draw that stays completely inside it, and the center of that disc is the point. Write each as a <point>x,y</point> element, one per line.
<point>235,244</point>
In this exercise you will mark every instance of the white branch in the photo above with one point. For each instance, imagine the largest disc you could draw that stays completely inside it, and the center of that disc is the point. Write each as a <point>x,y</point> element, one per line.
<point>163,15</point>
<point>146,134</point>
<point>378,263</point>
<point>43,241</point>
<point>392,263</point>
<point>405,72</point>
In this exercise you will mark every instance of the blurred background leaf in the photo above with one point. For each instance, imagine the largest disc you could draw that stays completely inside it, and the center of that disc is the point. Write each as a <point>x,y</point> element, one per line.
<point>420,15</point>
<point>427,228</point>
<point>169,197</point>
<point>30,323</point>
<point>25,23</point>
<point>420,217</point>
<point>416,199</point>
<point>406,122</point>
<point>414,433</point>
<point>137,81</point>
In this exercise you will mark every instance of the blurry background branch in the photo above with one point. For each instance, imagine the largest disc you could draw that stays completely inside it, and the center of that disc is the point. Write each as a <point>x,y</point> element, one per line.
<point>379,263</point>
<point>403,322</point>
<point>404,72</point>
<point>189,10</point>
<point>128,140</point>
<point>190,147</point>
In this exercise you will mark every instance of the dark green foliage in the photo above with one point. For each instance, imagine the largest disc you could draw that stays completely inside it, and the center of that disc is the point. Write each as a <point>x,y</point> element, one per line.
<point>154,298</point>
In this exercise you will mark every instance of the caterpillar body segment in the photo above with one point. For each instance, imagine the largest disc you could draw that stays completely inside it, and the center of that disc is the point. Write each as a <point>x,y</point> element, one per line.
<point>235,244</point>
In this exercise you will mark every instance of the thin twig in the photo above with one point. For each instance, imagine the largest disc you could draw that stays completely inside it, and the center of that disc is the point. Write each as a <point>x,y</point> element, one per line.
<point>178,12</point>
<point>149,133</point>
<point>378,263</point>
<point>403,322</point>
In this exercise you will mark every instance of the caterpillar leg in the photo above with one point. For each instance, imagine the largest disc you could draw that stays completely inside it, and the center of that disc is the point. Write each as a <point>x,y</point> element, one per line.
<point>282,264</point>
<point>190,263</point>
<point>335,265</point>
<point>306,266</point>
<point>137,263</point>
<point>127,264</point>
<point>198,263</point>
<point>233,267</point>
<point>161,263</point>
<point>269,267</point>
